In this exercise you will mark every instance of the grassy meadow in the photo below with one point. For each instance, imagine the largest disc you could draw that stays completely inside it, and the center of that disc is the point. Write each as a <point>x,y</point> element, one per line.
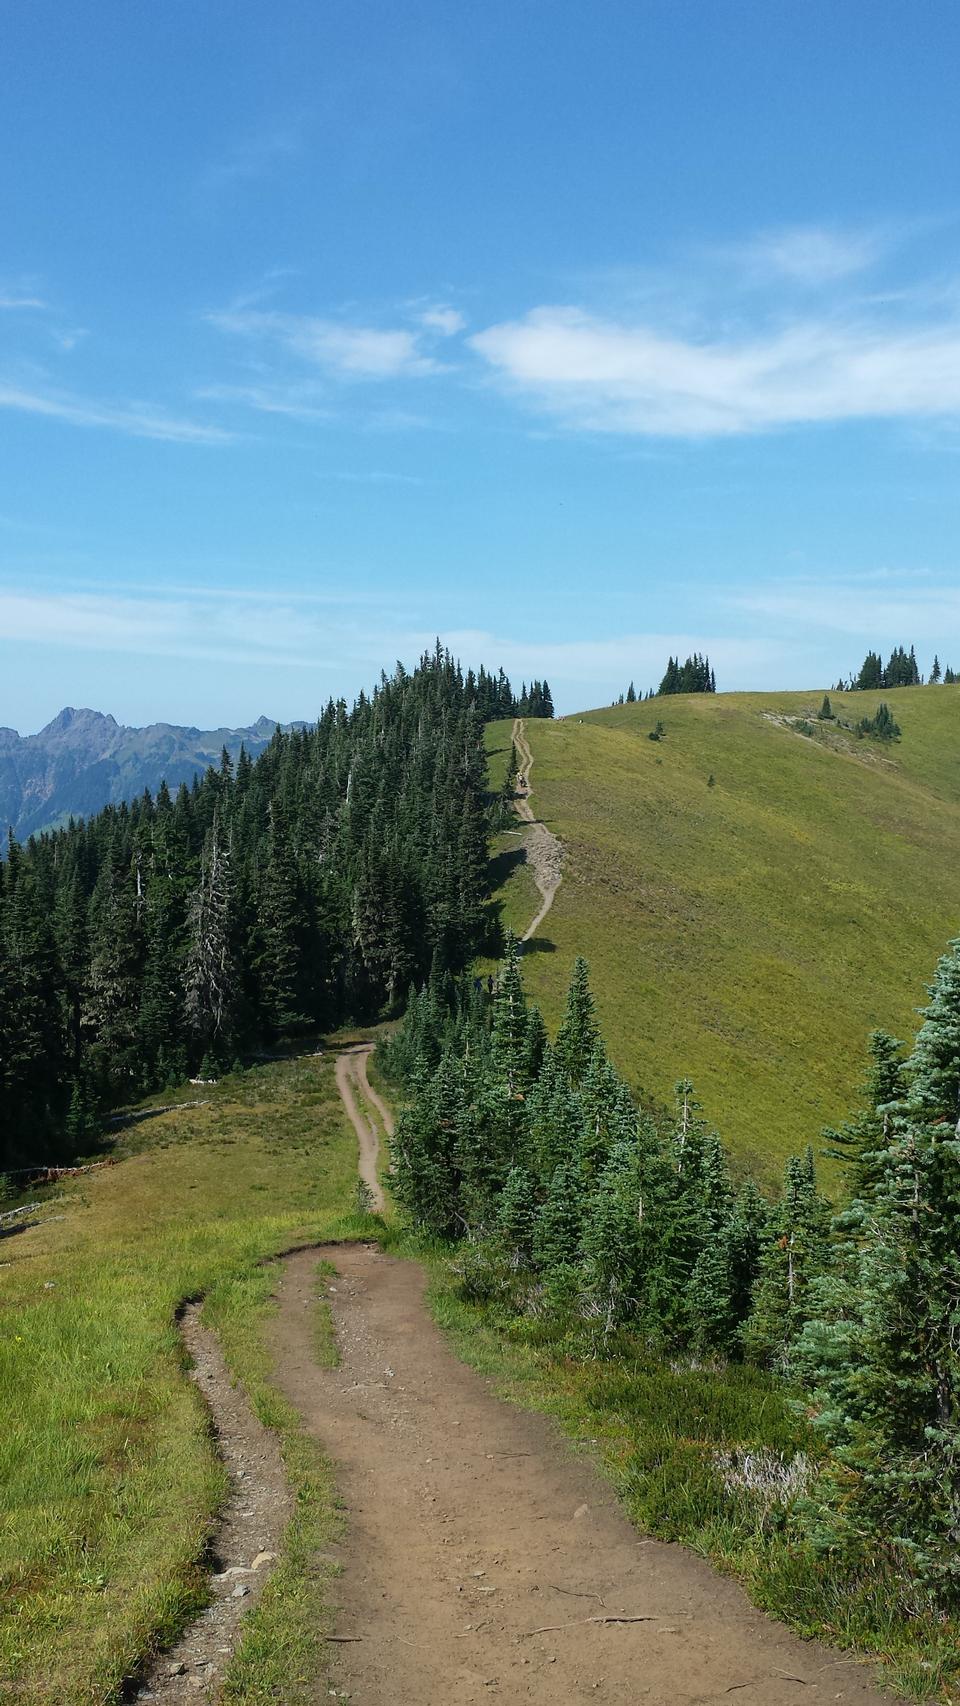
<point>110,1479</point>
<point>750,930</point>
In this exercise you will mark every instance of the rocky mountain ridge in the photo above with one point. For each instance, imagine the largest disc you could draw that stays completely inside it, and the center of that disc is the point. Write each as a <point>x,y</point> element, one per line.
<point>84,760</point>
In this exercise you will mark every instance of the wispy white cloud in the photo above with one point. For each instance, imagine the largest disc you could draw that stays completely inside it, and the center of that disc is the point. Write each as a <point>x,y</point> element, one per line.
<point>135,420</point>
<point>223,629</point>
<point>794,632</point>
<point>322,633</point>
<point>297,401</point>
<point>884,607</point>
<point>587,661</point>
<point>809,255</point>
<point>446,321</point>
<point>607,376</point>
<point>21,291</point>
<point>342,350</point>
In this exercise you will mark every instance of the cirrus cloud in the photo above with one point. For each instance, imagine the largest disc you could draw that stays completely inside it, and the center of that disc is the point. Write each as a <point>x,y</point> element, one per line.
<point>345,351</point>
<point>135,420</point>
<point>603,375</point>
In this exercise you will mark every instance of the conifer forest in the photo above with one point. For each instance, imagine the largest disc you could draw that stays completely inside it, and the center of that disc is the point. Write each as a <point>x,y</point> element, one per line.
<point>568,1200</point>
<point>163,939</point>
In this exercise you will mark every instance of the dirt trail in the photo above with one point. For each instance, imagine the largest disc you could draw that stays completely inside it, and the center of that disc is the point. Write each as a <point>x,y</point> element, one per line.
<point>544,851</point>
<point>248,1535</point>
<point>250,1529</point>
<point>351,1071</point>
<point>481,1553</point>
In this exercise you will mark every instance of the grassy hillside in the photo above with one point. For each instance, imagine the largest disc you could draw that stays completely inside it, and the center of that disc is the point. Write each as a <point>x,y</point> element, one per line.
<point>753,931</point>
<point>109,1476</point>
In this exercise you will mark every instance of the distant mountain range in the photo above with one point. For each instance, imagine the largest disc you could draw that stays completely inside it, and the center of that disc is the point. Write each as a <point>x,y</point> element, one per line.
<point>85,760</point>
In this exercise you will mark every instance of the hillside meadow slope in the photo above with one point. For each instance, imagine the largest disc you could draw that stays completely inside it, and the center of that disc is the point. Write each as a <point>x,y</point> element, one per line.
<point>749,931</point>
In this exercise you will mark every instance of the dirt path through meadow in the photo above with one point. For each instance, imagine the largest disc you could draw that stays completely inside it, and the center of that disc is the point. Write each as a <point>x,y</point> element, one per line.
<point>544,851</point>
<point>363,1106</point>
<point>483,1558</point>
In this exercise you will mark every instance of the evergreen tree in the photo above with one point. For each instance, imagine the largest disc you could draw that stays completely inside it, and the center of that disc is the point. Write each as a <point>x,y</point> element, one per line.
<point>211,984</point>
<point>879,1355</point>
<point>793,1260</point>
<point>556,1237</point>
<point>425,1151</point>
<point>281,928</point>
<point>578,1035</point>
<point>871,673</point>
<point>510,1022</point>
<point>693,676</point>
<point>859,1143</point>
<point>554,1118</point>
<point>535,1045</point>
<point>881,724</point>
<point>111,1000</point>
<point>612,1240</point>
<point>517,1216</point>
<point>720,1290</point>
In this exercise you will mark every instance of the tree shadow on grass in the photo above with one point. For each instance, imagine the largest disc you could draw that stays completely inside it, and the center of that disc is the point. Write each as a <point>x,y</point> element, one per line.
<point>503,864</point>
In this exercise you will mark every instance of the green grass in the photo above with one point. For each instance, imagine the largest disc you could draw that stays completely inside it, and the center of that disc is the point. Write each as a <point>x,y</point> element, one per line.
<point>111,1483</point>
<point>750,933</point>
<point>655,1429</point>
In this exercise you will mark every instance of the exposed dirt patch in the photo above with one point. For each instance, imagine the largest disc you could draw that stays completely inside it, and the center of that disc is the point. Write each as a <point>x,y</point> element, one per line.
<point>248,1536</point>
<point>483,1557</point>
<point>544,851</point>
<point>836,738</point>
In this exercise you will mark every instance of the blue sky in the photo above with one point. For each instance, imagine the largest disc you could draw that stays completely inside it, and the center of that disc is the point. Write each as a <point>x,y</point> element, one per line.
<point>576,333</point>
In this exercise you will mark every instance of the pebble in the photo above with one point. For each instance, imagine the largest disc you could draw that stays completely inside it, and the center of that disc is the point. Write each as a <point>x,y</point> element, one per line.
<point>240,1591</point>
